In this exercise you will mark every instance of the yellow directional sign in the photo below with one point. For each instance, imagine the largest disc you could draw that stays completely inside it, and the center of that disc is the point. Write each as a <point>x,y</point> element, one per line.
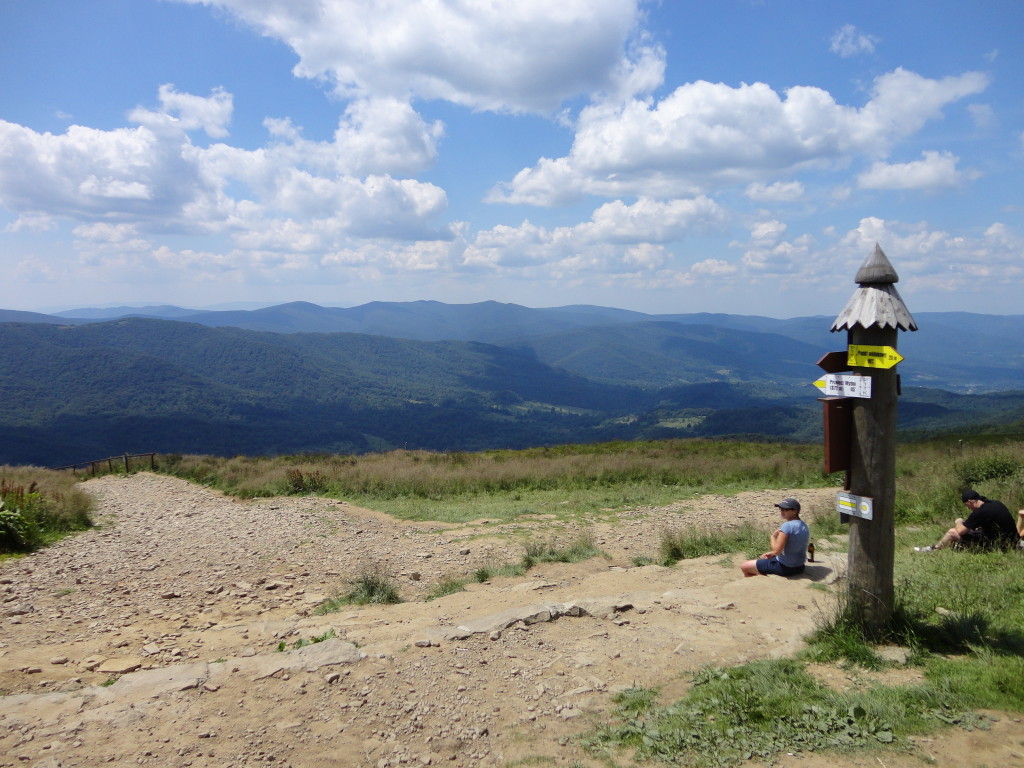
<point>865,356</point>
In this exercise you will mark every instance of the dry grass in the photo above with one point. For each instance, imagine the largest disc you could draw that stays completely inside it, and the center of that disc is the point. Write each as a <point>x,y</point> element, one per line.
<point>427,475</point>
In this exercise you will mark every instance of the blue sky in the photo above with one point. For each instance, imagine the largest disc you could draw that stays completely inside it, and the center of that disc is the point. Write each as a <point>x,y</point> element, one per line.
<point>730,156</point>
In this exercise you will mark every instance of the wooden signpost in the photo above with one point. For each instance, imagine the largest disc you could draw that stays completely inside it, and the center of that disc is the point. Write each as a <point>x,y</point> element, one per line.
<point>872,319</point>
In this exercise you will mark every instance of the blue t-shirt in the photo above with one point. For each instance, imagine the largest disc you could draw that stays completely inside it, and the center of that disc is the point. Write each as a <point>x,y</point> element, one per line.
<point>797,536</point>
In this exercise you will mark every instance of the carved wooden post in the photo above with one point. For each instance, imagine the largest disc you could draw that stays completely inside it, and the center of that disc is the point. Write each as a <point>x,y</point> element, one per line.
<point>872,318</point>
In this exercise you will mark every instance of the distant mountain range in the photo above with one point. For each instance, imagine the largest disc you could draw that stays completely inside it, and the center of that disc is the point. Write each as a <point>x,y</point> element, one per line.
<point>955,351</point>
<point>299,377</point>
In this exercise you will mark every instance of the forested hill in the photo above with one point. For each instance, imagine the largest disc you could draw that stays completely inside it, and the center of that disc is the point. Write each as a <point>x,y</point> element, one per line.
<point>955,351</point>
<point>83,391</point>
<point>142,384</point>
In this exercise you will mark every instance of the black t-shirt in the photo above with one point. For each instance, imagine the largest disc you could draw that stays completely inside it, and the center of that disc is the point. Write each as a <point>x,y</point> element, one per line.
<point>993,519</point>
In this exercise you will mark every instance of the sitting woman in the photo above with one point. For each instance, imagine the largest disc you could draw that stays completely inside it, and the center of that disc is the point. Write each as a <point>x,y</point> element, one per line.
<point>789,545</point>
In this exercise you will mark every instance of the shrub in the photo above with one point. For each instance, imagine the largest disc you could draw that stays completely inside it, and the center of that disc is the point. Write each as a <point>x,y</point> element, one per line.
<point>299,482</point>
<point>978,470</point>
<point>35,512</point>
<point>17,534</point>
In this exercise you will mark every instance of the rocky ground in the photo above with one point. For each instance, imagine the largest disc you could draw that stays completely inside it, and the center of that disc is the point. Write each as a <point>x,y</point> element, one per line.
<point>154,638</point>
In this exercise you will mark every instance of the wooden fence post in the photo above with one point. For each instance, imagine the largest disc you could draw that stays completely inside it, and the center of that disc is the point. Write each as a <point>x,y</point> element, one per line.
<point>96,463</point>
<point>872,318</point>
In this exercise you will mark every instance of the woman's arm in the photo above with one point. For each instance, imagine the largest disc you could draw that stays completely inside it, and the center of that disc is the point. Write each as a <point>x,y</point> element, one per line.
<point>779,539</point>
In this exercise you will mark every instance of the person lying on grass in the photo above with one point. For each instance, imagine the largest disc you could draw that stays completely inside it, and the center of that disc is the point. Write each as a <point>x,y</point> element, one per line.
<point>789,545</point>
<point>989,525</point>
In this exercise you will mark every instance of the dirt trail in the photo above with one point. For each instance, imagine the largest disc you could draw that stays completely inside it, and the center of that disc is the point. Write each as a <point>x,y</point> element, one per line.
<point>183,597</point>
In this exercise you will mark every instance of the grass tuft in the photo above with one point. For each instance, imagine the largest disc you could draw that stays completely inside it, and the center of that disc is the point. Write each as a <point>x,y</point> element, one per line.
<point>495,571</point>
<point>580,549</point>
<point>302,642</point>
<point>371,586</point>
<point>686,544</point>
<point>447,586</point>
<point>841,635</point>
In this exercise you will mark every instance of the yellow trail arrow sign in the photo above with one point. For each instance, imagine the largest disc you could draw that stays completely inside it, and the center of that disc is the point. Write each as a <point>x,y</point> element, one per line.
<point>865,356</point>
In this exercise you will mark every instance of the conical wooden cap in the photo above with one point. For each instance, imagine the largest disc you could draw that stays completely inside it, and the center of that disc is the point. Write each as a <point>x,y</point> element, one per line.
<point>877,269</point>
<point>876,302</point>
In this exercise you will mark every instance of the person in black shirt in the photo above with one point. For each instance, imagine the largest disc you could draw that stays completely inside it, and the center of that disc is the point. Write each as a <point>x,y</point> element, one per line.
<point>988,525</point>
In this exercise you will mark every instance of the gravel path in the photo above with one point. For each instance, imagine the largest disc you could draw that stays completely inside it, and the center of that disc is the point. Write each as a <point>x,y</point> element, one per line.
<point>183,596</point>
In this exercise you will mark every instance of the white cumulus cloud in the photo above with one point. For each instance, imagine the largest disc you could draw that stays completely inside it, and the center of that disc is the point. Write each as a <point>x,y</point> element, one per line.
<point>934,170</point>
<point>849,41</point>
<point>291,194</point>
<point>778,192</point>
<point>618,238</point>
<point>652,221</point>
<point>768,231</point>
<point>502,55</point>
<point>212,114</point>
<point>926,258</point>
<point>705,136</point>
<point>87,173</point>
<point>373,136</point>
<point>31,222</point>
